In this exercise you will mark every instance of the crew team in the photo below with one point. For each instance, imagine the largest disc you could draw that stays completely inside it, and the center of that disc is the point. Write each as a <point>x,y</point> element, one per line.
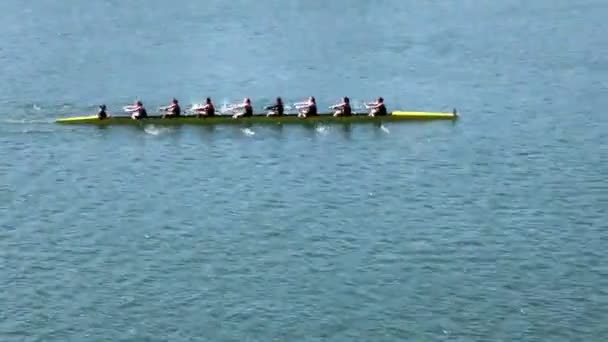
<point>306,109</point>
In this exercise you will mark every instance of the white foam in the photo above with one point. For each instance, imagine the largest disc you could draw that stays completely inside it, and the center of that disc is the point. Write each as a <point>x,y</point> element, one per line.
<point>248,132</point>
<point>27,121</point>
<point>322,129</point>
<point>153,130</point>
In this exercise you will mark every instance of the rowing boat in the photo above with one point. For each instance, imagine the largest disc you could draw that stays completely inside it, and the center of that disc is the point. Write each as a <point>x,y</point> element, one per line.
<point>260,119</point>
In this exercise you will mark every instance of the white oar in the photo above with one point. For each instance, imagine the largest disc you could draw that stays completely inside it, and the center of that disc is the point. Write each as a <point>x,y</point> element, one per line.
<point>300,105</point>
<point>356,108</point>
<point>194,108</point>
<point>226,107</point>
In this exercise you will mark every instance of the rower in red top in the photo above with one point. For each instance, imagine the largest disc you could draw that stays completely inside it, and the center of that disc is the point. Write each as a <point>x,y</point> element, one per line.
<point>343,109</point>
<point>173,110</point>
<point>307,108</point>
<point>207,110</point>
<point>377,108</point>
<point>138,111</point>
<point>247,109</point>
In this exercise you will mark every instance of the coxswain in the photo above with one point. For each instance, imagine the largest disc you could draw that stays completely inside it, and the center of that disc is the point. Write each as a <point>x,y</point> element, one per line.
<point>173,110</point>
<point>377,108</point>
<point>277,109</point>
<point>307,108</point>
<point>207,110</point>
<point>343,109</point>
<point>247,109</point>
<point>138,111</point>
<point>102,112</point>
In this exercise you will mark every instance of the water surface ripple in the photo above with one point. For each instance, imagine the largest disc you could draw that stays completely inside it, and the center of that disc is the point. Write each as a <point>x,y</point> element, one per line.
<point>491,228</point>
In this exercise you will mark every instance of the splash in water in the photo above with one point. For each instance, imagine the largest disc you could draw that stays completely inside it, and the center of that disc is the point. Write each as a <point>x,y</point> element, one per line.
<point>248,132</point>
<point>153,130</point>
<point>322,129</point>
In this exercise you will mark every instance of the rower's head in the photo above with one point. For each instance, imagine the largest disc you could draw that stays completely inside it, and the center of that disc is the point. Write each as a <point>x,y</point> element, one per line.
<point>208,101</point>
<point>312,99</point>
<point>174,101</point>
<point>279,100</point>
<point>139,103</point>
<point>102,107</point>
<point>247,100</point>
<point>380,100</point>
<point>346,99</point>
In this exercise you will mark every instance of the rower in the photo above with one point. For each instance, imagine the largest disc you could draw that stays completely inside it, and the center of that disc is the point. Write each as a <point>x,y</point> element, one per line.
<point>246,107</point>
<point>343,109</point>
<point>102,112</point>
<point>377,108</point>
<point>277,109</point>
<point>207,110</point>
<point>173,109</point>
<point>138,111</point>
<point>307,108</point>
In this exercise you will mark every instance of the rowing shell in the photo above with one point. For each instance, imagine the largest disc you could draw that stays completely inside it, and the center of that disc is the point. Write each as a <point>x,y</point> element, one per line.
<point>260,119</point>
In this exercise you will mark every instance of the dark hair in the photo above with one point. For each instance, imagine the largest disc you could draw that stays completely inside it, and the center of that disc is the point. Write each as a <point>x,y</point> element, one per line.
<point>279,100</point>
<point>346,99</point>
<point>174,100</point>
<point>312,98</point>
<point>208,100</point>
<point>380,99</point>
<point>139,103</point>
<point>102,107</point>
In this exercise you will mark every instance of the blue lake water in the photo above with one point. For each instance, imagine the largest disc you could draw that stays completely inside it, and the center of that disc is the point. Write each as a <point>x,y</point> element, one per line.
<point>491,228</point>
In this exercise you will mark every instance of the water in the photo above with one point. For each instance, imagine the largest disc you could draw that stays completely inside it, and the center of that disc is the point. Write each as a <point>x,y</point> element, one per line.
<point>490,228</point>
